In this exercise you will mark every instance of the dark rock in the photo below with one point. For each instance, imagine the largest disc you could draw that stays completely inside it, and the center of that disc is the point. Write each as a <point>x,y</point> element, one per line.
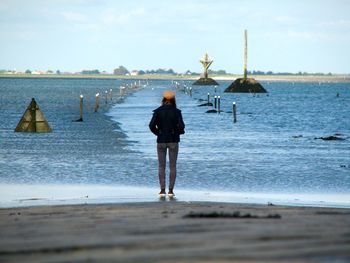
<point>206,104</point>
<point>205,82</point>
<point>211,111</point>
<point>248,85</point>
<point>297,136</point>
<point>330,138</point>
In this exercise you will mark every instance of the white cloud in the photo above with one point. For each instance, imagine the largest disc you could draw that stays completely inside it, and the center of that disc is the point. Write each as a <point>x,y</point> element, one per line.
<point>299,34</point>
<point>74,17</point>
<point>339,24</point>
<point>112,17</point>
<point>305,35</point>
<point>284,19</point>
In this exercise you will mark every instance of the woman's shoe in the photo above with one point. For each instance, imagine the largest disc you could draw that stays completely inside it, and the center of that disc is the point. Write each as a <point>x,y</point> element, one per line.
<point>162,193</point>
<point>171,193</point>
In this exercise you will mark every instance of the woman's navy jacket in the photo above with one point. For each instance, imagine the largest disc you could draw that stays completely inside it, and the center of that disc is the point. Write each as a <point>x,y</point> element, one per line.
<point>167,124</point>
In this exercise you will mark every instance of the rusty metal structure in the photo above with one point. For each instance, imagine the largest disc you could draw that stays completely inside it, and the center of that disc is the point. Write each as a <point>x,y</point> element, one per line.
<point>206,62</point>
<point>33,120</point>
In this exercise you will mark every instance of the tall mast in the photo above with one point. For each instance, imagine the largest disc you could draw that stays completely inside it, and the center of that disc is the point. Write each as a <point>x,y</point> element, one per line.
<point>245,53</point>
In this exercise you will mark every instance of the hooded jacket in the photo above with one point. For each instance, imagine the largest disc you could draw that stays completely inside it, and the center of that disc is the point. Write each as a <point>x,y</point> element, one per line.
<point>167,124</point>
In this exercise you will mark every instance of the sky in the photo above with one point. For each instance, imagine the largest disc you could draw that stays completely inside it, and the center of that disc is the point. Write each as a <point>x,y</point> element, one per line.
<point>72,35</point>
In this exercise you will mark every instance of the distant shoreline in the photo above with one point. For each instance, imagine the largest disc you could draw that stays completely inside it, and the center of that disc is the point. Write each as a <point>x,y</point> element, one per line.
<point>272,78</point>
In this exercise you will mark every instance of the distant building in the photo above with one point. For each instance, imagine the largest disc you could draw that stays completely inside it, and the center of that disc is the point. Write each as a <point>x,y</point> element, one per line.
<point>35,72</point>
<point>134,73</point>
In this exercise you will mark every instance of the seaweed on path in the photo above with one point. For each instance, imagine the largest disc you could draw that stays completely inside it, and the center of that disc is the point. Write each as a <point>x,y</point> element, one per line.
<point>236,214</point>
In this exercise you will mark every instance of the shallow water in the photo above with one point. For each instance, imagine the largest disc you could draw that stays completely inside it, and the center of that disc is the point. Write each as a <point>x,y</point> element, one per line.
<point>270,153</point>
<point>272,146</point>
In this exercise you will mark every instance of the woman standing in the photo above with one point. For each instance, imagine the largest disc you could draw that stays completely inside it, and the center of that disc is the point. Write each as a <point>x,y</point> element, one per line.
<point>167,125</point>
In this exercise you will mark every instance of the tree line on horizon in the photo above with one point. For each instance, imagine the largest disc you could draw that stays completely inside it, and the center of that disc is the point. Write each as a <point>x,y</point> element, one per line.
<point>122,71</point>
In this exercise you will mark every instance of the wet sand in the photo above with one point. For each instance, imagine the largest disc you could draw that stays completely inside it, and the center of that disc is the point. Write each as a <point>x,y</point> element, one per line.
<point>170,231</point>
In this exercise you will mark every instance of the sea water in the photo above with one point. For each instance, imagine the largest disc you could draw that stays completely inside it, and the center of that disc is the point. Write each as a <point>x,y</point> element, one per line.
<point>273,153</point>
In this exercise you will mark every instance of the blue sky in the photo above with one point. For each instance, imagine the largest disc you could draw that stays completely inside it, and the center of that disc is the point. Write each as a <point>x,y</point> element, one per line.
<point>71,35</point>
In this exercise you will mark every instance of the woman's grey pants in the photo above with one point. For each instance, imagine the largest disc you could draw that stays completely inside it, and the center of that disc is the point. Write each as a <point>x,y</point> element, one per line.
<point>173,151</point>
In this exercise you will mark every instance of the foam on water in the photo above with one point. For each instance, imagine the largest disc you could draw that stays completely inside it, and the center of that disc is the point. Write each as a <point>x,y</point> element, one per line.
<point>57,194</point>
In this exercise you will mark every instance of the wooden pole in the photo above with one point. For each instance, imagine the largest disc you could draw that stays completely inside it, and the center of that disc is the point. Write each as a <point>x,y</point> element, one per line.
<point>219,104</point>
<point>97,102</point>
<point>106,93</point>
<point>111,94</point>
<point>215,101</point>
<point>81,107</point>
<point>234,111</point>
<point>245,53</point>
<point>208,99</point>
<point>121,91</point>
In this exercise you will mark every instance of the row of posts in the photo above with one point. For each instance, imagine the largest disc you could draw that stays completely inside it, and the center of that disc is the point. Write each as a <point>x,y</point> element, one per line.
<point>217,103</point>
<point>186,89</point>
<point>108,96</point>
<point>217,100</point>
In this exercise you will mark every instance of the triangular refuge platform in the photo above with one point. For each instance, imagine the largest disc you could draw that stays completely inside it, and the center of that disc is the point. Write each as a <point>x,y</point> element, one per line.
<point>248,85</point>
<point>33,120</point>
<point>245,84</point>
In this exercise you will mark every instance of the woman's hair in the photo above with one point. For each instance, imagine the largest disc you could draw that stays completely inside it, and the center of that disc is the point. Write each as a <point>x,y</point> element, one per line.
<point>172,101</point>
